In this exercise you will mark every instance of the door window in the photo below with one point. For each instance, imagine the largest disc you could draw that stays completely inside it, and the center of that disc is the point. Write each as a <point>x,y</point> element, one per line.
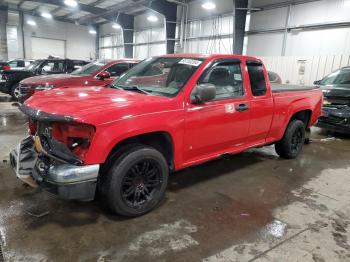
<point>257,78</point>
<point>227,78</point>
<point>53,67</point>
<point>118,69</point>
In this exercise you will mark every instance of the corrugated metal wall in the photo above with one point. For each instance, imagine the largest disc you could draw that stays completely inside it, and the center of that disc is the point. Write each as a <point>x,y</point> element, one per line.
<point>304,69</point>
<point>307,34</point>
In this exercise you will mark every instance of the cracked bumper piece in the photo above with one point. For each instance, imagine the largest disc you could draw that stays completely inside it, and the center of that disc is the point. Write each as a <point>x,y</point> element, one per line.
<point>68,181</point>
<point>335,118</point>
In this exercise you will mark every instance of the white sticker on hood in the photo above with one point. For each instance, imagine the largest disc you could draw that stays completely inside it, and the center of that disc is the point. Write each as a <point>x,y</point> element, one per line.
<point>191,62</point>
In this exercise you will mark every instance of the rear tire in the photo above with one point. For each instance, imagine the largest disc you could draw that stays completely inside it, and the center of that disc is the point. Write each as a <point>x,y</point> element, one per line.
<point>136,181</point>
<point>14,92</point>
<point>293,140</point>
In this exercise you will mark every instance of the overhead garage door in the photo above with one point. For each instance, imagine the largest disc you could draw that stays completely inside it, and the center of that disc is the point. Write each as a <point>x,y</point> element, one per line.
<point>43,47</point>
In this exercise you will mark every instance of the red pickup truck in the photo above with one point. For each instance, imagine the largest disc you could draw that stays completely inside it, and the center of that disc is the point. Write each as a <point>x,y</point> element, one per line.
<point>165,114</point>
<point>98,73</point>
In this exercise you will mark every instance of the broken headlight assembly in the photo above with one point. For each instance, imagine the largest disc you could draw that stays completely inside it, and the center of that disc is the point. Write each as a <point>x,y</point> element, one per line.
<point>66,141</point>
<point>77,137</point>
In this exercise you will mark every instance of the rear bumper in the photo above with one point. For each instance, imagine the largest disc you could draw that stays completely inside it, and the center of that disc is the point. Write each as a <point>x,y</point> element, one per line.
<point>65,180</point>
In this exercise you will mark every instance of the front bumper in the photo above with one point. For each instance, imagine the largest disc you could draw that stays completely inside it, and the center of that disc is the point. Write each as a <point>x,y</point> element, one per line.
<point>335,118</point>
<point>66,180</point>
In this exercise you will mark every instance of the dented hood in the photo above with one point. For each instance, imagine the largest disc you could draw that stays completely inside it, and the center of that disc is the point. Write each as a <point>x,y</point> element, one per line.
<point>95,105</point>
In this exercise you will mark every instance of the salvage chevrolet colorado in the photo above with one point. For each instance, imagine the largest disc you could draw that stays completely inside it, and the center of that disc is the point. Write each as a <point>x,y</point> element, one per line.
<point>98,73</point>
<point>336,105</point>
<point>165,114</point>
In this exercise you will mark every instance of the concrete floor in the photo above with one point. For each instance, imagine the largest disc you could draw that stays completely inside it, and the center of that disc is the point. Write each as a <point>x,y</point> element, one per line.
<point>250,207</point>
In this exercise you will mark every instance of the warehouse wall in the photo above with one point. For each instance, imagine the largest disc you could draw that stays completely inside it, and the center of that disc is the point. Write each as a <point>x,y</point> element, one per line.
<point>149,37</point>
<point>210,31</point>
<point>111,42</point>
<point>311,41</point>
<point>304,70</point>
<point>310,48</point>
<point>79,43</point>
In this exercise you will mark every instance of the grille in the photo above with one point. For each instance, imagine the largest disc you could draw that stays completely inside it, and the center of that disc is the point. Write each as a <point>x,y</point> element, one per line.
<point>24,89</point>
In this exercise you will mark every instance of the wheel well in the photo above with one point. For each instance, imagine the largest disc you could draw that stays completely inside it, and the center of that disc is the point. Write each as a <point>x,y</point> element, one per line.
<point>159,140</point>
<point>304,116</point>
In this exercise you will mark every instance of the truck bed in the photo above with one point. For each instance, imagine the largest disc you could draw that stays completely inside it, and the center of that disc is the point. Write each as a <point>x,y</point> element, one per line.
<point>279,88</point>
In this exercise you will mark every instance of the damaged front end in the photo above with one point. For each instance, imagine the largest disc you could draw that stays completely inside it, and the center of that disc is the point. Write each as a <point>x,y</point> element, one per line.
<point>335,114</point>
<point>53,155</point>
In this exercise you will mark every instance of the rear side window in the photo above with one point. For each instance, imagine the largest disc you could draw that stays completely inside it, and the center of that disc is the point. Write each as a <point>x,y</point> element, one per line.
<point>118,69</point>
<point>257,78</point>
<point>13,64</point>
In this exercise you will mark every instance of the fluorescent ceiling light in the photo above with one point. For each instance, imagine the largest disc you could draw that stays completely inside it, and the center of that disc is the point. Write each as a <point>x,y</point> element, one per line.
<point>71,3</point>
<point>46,15</point>
<point>31,22</point>
<point>209,5</point>
<point>116,26</point>
<point>92,31</point>
<point>152,18</point>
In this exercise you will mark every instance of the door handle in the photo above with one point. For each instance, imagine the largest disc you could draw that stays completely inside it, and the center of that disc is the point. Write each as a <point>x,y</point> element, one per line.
<point>242,108</point>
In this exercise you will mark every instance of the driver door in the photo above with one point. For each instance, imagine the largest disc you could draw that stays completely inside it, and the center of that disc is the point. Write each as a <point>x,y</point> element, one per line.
<point>220,125</point>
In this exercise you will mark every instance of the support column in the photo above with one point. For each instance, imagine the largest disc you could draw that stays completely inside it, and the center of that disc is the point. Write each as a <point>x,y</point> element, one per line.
<point>3,35</point>
<point>127,23</point>
<point>169,10</point>
<point>240,8</point>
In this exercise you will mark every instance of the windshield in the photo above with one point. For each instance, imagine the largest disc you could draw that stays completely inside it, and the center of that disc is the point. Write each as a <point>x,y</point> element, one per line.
<point>89,69</point>
<point>164,76</point>
<point>33,65</point>
<point>339,77</point>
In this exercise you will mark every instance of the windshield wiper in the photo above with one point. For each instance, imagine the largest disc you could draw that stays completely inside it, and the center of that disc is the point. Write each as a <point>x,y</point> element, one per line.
<point>132,88</point>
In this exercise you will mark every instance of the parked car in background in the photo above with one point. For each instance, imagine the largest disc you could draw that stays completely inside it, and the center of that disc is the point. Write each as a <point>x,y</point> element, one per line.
<point>20,64</point>
<point>165,114</point>
<point>274,77</point>
<point>9,83</point>
<point>98,73</point>
<point>336,102</point>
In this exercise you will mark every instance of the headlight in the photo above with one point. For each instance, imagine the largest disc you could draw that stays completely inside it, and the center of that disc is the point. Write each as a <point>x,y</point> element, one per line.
<point>44,87</point>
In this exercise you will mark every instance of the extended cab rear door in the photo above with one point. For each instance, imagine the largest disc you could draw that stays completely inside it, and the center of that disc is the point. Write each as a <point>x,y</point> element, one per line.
<point>261,105</point>
<point>220,125</point>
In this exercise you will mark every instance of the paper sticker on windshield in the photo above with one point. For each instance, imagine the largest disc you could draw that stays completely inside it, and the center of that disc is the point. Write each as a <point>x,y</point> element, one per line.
<point>190,62</point>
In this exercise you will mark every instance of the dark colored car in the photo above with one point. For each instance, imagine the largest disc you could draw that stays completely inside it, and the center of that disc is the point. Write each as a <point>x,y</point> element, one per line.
<point>336,104</point>
<point>9,83</point>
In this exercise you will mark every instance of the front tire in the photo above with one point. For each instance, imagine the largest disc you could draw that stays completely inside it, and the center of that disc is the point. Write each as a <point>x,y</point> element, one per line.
<point>293,140</point>
<point>136,182</point>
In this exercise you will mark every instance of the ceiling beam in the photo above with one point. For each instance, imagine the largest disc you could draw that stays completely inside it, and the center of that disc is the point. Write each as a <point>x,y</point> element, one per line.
<point>82,7</point>
<point>113,10</point>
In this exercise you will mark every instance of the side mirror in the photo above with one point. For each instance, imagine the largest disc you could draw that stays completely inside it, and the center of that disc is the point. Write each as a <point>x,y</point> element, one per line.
<point>317,82</point>
<point>103,75</point>
<point>203,93</point>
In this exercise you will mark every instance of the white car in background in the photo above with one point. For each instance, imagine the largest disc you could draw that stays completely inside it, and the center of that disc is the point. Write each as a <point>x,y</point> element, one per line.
<point>19,64</point>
